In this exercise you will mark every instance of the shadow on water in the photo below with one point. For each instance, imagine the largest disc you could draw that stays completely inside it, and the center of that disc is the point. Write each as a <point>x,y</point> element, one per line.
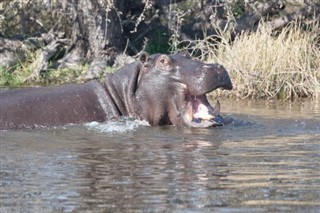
<point>266,159</point>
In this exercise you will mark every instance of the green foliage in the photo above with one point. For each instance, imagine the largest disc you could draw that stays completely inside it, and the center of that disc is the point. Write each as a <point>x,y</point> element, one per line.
<point>6,78</point>
<point>61,76</point>
<point>237,8</point>
<point>159,44</point>
<point>50,77</point>
<point>13,77</point>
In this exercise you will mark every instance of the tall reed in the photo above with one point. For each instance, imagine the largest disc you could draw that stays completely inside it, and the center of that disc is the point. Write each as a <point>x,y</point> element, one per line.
<point>265,64</point>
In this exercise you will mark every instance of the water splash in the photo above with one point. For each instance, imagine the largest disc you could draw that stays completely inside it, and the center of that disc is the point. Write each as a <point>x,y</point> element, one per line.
<point>234,121</point>
<point>116,126</point>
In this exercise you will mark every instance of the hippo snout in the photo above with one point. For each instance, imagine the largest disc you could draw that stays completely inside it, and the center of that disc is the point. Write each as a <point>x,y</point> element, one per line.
<point>218,76</point>
<point>208,78</point>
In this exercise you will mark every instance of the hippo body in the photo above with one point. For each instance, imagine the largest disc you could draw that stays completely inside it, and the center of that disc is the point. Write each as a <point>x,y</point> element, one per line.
<point>52,106</point>
<point>161,89</point>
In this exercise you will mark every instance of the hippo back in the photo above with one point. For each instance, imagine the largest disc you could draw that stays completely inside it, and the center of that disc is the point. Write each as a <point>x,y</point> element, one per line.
<point>49,106</point>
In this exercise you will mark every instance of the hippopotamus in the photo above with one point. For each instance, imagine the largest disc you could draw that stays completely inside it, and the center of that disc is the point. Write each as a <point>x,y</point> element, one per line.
<point>160,89</point>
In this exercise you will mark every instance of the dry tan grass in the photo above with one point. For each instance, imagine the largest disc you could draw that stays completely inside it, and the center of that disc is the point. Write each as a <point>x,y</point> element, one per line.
<point>264,65</point>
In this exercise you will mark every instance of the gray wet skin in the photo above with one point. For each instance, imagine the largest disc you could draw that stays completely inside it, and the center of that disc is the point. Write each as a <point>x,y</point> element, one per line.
<point>161,89</point>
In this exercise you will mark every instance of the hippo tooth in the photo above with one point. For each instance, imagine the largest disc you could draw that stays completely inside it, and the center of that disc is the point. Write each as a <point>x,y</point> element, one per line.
<point>216,108</point>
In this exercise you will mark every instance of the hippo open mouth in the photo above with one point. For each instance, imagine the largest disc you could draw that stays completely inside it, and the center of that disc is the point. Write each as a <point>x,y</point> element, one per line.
<point>200,113</point>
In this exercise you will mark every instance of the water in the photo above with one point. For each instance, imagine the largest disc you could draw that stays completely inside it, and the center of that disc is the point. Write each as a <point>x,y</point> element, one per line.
<point>265,160</point>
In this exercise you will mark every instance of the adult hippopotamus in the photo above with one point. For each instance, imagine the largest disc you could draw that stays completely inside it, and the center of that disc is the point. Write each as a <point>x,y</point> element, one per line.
<point>161,89</point>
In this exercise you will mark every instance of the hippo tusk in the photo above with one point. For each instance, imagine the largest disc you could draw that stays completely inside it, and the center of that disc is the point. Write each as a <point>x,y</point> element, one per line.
<point>216,110</point>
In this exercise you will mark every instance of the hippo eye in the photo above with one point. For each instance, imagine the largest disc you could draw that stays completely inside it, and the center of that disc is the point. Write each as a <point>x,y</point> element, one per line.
<point>164,63</point>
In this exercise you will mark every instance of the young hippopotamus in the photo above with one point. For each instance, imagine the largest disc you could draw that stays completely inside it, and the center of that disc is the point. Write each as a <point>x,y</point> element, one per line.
<point>161,89</point>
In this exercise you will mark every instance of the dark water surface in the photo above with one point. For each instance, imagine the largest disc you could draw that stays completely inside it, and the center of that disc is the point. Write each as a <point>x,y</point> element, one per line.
<point>265,160</point>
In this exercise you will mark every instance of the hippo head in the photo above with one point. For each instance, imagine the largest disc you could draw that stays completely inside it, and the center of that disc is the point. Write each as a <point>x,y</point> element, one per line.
<point>171,90</point>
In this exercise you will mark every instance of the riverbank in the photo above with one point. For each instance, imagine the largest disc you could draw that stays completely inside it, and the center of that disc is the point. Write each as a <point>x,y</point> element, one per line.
<point>262,64</point>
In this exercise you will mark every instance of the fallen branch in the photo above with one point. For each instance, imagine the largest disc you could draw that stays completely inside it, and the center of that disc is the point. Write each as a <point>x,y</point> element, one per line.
<point>43,56</point>
<point>309,10</point>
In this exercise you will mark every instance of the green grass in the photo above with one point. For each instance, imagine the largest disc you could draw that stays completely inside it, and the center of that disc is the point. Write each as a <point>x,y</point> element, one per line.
<point>18,77</point>
<point>14,77</point>
<point>61,76</point>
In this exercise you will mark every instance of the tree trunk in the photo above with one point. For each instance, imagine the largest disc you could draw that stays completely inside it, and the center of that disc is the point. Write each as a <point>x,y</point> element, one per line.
<point>96,36</point>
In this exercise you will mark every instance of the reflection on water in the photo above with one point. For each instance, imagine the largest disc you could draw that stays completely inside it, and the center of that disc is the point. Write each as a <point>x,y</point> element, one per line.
<point>265,160</point>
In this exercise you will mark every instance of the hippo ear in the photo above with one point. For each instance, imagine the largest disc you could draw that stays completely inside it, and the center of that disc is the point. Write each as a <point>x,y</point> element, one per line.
<point>143,57</point>
<point>164,62</point>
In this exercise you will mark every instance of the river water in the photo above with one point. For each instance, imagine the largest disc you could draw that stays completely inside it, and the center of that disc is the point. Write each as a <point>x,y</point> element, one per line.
<point>265,160</point>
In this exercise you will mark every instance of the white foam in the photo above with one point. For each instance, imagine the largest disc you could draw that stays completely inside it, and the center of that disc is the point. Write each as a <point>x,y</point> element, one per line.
<point>116,126</point>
